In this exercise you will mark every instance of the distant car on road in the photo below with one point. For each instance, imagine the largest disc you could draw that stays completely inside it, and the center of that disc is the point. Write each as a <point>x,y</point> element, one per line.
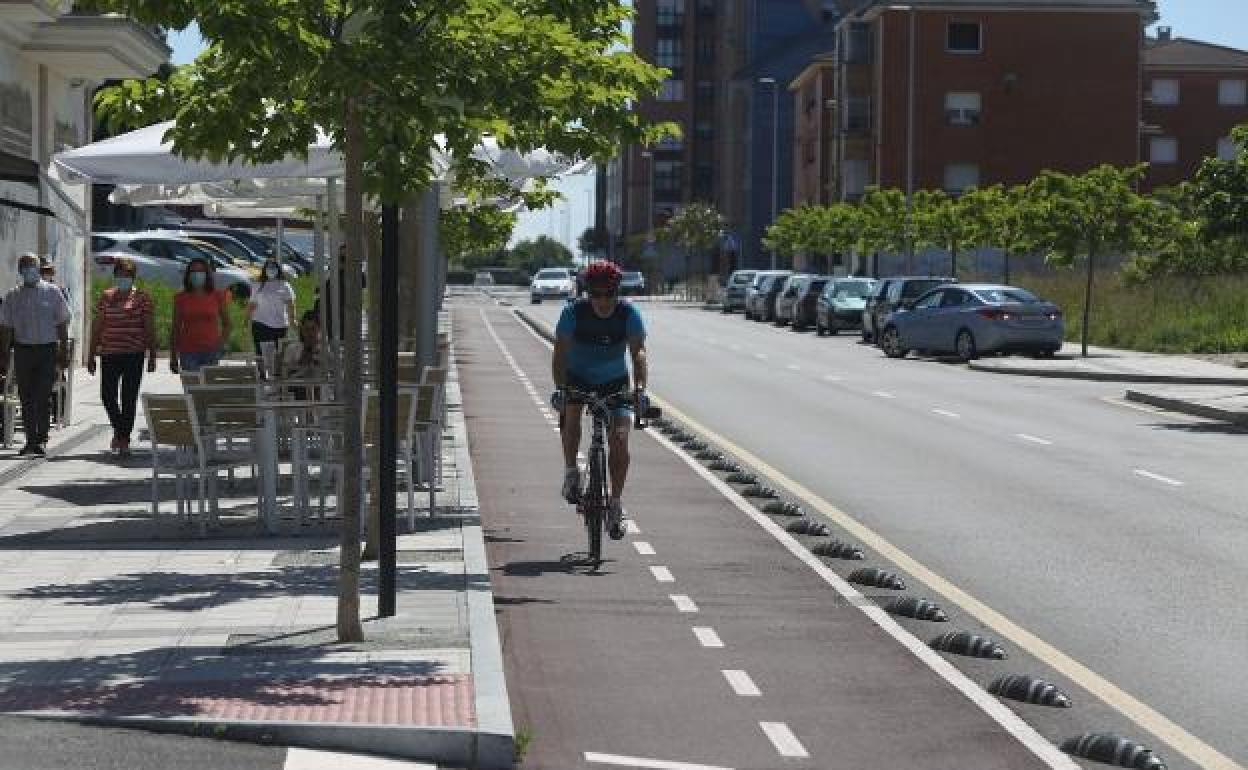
<point>973,319</point>
<point>805,305</point>
<point>761,300</point>
<point>734,293</point>
<point>888,297</point>
<point>552,283</point>
<point>841,303</point>
<point>632,283</point>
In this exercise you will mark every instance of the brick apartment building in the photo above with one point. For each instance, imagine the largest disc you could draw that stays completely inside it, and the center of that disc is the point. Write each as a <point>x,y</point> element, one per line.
<point>1195,94</point>
<point>731,61</point>
<point>951,94</point>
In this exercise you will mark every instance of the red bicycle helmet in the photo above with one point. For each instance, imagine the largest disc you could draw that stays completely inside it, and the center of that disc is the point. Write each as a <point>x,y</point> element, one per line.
<point>603,275</point>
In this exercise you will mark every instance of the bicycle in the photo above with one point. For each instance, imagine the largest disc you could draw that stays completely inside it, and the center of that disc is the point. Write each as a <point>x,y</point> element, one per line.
<point>594,497</point>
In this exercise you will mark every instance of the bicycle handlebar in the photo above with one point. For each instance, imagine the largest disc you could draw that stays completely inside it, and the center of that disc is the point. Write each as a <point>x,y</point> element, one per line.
<point>597,403</point>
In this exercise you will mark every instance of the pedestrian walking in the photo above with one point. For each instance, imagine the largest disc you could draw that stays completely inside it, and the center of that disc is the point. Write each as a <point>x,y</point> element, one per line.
<point>47,271</point>
<point>272,305</point>
<point>122,332</point>
<point>201,320</point>
<point>34,324</point>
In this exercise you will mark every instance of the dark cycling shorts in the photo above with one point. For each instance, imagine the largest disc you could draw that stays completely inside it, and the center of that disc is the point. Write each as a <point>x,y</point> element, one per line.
<point>623,409</point>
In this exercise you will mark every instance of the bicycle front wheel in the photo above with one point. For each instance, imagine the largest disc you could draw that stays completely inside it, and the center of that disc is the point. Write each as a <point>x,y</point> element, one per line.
<point>596,503</point>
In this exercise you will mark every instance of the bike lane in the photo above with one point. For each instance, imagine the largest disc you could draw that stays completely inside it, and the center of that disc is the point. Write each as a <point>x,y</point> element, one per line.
<point>703,642</point>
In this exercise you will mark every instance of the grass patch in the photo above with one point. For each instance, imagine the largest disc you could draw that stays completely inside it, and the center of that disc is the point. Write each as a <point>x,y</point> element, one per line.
<point>240,327</point>
<point>1171,314</point>
<point>524,739</point>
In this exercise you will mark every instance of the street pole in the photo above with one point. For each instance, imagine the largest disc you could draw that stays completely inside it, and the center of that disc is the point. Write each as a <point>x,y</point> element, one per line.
<point>388,408</point>
<point>910,138</point>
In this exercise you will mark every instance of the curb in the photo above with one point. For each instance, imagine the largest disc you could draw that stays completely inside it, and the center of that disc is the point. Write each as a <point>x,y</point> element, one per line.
<point>1188,407</point>
<point>1079,374</point>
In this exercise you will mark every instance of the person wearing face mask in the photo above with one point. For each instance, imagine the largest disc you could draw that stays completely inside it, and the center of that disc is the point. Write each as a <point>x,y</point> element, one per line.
<point>34,323</point>
<point>272,305</point>
<point>121,333</point>
<point>201,320</point>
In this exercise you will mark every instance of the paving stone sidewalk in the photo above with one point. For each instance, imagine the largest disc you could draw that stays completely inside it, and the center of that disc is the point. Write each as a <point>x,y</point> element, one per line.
<point>1111,365</point>
<point>110,615</point>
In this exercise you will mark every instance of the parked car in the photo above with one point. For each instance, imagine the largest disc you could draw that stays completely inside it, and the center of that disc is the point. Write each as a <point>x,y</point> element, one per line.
<point>163,258</point>
<point>841,303</point>
<point>238,253</point>
<point>761,297</point>
<point>972,319</point>
<point>734,293</point>
<point>632,283</point>
<point>257,244</point>
<point>888,297</point>
<point>483,279</point>
<point>552,282</point>
<point>787,297</point>
<point>805,307</point>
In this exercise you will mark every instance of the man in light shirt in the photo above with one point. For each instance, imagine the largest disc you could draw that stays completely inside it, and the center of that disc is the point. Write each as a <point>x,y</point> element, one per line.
<point>34,324</point>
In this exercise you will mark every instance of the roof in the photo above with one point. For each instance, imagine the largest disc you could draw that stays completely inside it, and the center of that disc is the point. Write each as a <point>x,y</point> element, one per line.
<point>1183,53</point>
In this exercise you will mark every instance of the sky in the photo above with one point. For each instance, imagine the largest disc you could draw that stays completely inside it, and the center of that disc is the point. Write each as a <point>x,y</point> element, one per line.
<point>1224,22</point>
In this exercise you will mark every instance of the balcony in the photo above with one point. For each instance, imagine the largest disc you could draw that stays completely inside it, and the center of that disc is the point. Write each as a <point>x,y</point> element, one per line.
<point>97,48</point>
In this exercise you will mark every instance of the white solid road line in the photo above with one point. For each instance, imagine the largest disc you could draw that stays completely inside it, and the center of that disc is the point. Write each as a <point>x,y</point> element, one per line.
<point>707,636</point>
<point>649,764</point>
<point>662,574</point>
<point>741,683</point>
<point>643,548</point>
<point>1034,439</point>
<point>683,603</point>
<point>783,739</point>
<point>946,413</point>
<point>308,759</point>
<point>1158,477</point>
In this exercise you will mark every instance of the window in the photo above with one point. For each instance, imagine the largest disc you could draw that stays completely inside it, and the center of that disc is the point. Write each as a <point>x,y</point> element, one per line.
<point>964,37</point>
<point>100,243</point>
<point>960,177</point>
<point>705,91</point>
<point>929,300</point>
<point>955,298</point>
<point>962,109</point>
<point>669,52</point>
<point>672,91</point>
<point>1233,93</point>
<point>1165,92</point>
<point>706,51</point>
<point>1227,150</point>
<point>858,114</point>
<point>703,180</point>
<point>670,144</point>
<point>667,176</point>
<point>704,130</point>
<point>669,13</point>
<point>1164,150</point>
<point>854,178</point>
<point>858,43</point>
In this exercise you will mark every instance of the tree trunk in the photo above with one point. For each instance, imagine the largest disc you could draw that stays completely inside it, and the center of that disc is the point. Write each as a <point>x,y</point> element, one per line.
<point>953,262</point>
<point>1087,301</point>
<point>1006,256</point>
<point>349,629</point>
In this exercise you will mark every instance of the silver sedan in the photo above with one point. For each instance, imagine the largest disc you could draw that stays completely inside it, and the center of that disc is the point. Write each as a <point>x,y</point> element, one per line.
<point>973,319</point>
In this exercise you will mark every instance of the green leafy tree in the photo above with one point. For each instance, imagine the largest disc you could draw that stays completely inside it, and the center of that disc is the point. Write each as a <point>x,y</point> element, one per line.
<point>1221,191</point>
<point>1002,218</point>
<point>469,232</point>
<point>384,80</point>
<point>1088,216</point>
<point>1181,242</point>
<point>696,229</point>
<point>531,255</point>
<point>785,235</point>
<point>943,221</point>
<point>592,242</point>
<point>823,231</point>
<point>883,222</point>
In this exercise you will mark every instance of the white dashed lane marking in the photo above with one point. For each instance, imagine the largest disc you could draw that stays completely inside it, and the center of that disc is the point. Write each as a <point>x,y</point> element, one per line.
<point>883,394</point>
<point>741,683</point>
<point>946,413</point>
<point>648,764</point>
<point>707,636</point>
<point>683,603</point>
<point>643,548</point>
<point>1158,477</point>
<point>783,739</point>
<point>1035,439</point>
<point>631,527</point>
<point>662,574</point>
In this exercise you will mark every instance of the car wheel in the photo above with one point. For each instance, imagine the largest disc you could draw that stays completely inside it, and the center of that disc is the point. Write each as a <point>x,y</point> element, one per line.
<point>535,300</point>
<point>965,345</point>
<point>818,328</point>
<point>890,343</point>
<point>866,335</point>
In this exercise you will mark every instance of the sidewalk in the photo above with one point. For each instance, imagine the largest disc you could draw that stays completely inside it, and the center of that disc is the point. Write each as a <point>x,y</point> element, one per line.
<point>111,617</point>
<point>1110,365</point>
<point>1229,404</point>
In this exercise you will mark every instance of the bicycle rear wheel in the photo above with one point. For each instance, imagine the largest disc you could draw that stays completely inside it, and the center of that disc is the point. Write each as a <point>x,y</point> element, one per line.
<point>596,503</point>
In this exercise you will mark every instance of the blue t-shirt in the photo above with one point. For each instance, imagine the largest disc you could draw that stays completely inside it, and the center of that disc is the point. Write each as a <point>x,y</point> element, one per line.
<point>598,347</point>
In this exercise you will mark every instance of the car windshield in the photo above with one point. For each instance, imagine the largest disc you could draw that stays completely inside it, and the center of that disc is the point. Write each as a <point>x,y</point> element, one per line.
<point>233,248</point>
<point>1004,295</point>
<point>851,289</point>
<point>552,275</point>
<point>816,286</point>
<point>915,288</point>
<point>740,279</point>
<point>632,277</point>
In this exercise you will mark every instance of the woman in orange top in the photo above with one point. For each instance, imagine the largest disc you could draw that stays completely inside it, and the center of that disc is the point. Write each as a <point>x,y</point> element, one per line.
<point>121,333</point>
<point>201,323</point>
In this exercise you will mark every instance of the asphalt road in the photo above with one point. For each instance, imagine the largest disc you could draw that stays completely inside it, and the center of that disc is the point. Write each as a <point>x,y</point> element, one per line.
<point>1118,536</point>
<point>33,744</point>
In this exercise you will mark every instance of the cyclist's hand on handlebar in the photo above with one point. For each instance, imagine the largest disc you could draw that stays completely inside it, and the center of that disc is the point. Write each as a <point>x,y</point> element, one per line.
<point>641,401</point>
<point>559,399</point>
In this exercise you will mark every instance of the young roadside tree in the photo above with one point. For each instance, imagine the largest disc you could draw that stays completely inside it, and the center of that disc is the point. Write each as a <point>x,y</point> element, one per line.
<point>942,221</point>
<point>1089,216</point>
<point>1221,191</point>
<point>468,232</point>
<point>385,81</point>
<point>1002,218</point>
<point>883,224</point>
<point>531,255</point>
<point>695,229</point>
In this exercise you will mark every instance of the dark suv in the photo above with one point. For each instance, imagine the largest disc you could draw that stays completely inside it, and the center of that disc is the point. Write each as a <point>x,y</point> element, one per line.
<point>805,307</point>
<point>890,294</point>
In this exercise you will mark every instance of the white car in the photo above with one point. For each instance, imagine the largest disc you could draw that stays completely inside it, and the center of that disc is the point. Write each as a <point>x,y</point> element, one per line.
<point>162,259</point>
<point>240,255</point>
<point>552,282</point>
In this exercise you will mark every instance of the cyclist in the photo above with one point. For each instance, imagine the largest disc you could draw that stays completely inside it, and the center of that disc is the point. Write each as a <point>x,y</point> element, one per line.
<point>593,341</point>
